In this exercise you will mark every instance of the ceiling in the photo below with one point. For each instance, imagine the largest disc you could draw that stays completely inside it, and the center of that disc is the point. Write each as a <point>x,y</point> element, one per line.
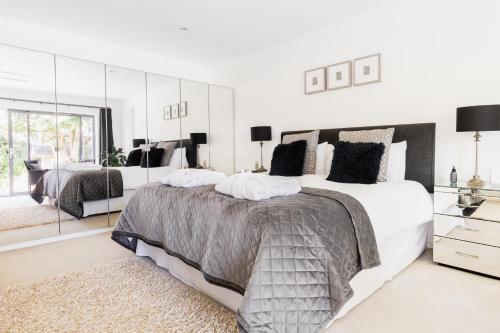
<point>218,30</point>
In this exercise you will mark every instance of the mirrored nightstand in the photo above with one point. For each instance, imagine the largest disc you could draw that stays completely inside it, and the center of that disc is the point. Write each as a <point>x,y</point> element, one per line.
<point>467,227</point>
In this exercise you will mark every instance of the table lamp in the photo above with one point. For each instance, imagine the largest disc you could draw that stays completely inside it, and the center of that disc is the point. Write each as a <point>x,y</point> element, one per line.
<point>198,139</point>
<point>475,119</point>
<point>261,133</point>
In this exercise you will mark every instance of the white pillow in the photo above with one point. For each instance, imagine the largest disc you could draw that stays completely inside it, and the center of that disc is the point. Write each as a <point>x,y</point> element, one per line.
<point>396,164</point>
<point>179,159</point>
<point>320,158</point>
<point>329,159</point>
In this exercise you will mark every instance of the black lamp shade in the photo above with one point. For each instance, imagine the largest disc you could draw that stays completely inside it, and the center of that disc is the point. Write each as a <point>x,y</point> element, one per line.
<point>261,133</point>
<point>478,118</point>
<point>137,142</point>
<point>198,138</point>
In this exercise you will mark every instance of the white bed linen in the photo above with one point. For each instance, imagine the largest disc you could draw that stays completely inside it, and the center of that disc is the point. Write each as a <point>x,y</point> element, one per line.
<point>392,206</point>
<point>135,176</point>
<point>395,255</point>
<point>399,211</point>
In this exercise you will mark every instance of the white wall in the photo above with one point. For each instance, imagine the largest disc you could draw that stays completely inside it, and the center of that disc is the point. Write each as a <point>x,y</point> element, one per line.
<point>436,55</point>
<point>23,34</point>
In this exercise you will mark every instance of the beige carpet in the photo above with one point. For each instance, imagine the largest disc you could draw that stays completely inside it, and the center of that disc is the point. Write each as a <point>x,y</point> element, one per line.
<point>129,295</point>
<point>21,217</point>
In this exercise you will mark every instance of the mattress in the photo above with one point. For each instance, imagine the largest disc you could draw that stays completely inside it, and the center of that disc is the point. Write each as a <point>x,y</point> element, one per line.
<point>101,206</point>
<point>396,253</point>
<point>136,176</point>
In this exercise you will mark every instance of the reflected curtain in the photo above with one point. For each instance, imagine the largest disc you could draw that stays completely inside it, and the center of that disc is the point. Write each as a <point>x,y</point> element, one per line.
<point>105,132</point>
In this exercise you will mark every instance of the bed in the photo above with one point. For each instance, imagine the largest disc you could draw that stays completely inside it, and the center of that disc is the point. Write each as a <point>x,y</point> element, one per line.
<point>94,191</point>
<point>400,224</point>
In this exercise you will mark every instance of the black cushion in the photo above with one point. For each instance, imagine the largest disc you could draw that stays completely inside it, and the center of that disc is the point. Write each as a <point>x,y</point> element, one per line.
<point>288,159</point>
<point>356,162</point>
<point>134,158</point>
<point>153,159</point>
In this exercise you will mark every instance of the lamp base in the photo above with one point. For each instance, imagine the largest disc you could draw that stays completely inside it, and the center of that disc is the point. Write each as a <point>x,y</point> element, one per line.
<point>261,169</point>
<point>475,182</point>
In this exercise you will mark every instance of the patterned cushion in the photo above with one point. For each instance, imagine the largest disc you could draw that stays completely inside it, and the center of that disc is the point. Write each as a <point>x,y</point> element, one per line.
<point>378,136</point>
<point>169,148</point>
<point>312,142</point>
<point>144,146</point>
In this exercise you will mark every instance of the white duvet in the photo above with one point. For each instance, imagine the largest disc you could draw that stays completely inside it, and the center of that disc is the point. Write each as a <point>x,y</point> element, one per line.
<point>135,176</point>
<point>393,207</point>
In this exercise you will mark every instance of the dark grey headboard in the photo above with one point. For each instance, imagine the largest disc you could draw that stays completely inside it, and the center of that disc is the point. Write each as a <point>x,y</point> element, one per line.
<point>420,140</point>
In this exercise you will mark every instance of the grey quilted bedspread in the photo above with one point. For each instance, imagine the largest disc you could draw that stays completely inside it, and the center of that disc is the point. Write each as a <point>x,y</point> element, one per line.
<point>291,257</point>
<point>78,186</point>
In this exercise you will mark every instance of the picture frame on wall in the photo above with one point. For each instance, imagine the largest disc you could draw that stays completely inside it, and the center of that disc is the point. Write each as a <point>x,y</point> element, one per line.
<point>314,81</point>
<point>166,113</point>
<point>339,75</point>
<point>174,111</point>
<point>183,109</point>
<point>367,69</point>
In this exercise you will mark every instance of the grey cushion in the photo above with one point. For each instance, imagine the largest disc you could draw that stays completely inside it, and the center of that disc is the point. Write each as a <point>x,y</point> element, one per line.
<point>169,148</point>
<point>377,136</point>
<point>312,141</point>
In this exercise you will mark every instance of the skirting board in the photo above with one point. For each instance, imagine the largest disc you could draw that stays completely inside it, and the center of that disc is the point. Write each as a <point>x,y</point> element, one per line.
<point>48,240</point>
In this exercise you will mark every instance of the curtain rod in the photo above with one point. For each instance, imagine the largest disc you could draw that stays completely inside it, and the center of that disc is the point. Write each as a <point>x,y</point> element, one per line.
<point>50,103</point>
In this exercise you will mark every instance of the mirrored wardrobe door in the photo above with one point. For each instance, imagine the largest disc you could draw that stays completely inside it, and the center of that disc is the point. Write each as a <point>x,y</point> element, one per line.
<point>195,129</point>
<point>165,152</point>
<point>83,143</point>
<point>27,144</point>
<point>221,129</point>
<point>126,98</point>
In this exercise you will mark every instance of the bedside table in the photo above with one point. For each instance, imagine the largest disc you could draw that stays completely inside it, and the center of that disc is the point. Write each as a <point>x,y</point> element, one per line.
<point>467,227</point>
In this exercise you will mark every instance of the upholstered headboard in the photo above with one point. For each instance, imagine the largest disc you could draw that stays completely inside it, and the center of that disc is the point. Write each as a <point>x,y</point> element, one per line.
<point>420,140</point>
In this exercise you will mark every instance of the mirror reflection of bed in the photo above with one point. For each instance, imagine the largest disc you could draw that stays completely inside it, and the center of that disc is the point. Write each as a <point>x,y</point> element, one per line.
<point>77,138</point>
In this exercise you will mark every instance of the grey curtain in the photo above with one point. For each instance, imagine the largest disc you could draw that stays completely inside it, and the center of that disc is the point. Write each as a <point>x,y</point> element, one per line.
<point>105,132</point>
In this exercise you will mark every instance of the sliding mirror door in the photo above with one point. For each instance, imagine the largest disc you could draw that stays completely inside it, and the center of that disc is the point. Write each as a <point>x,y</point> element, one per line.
<point>83,145</point>
<point>27,144</point>
<point>221,129</point>
<point>195,129</point>
<point>166,152</point>
<point>126,98</point>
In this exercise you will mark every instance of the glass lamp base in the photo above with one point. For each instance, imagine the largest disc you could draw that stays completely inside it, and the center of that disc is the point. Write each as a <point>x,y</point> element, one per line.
<point>261,169</point>
<point>475,182</point>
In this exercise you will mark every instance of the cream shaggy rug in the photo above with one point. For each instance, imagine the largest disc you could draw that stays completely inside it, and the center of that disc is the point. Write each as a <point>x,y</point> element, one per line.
<point>129,295</point>
<point>21,217</point>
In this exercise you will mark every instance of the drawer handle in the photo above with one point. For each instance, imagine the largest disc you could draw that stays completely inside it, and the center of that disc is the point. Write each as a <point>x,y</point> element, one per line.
<point>466,255</point>
<point>469,229</point>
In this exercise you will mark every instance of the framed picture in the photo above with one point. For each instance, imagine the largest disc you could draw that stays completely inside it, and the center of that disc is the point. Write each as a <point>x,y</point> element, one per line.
<point>314,81</point>
<point>367,70</point>
<point>166,113</point>
<point>339,75</point>
<point>183,109</point>
<point>174,111</point>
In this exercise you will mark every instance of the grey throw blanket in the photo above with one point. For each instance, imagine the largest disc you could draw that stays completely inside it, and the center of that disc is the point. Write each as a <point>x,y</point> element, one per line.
<point>78,186</point>
<point>291,257</point>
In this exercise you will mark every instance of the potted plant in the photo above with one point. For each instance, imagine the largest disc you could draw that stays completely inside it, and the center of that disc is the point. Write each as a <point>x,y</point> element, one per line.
<point>115,158</point>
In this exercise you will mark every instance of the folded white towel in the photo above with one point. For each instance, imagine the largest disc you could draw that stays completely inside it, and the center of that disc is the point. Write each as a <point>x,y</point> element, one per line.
<point>257,186</point>
<point>81,167</point>
<point>192,177</point>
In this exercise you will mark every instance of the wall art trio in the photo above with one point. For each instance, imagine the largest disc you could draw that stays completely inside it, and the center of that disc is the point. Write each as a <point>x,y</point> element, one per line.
<point>344,74</point>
